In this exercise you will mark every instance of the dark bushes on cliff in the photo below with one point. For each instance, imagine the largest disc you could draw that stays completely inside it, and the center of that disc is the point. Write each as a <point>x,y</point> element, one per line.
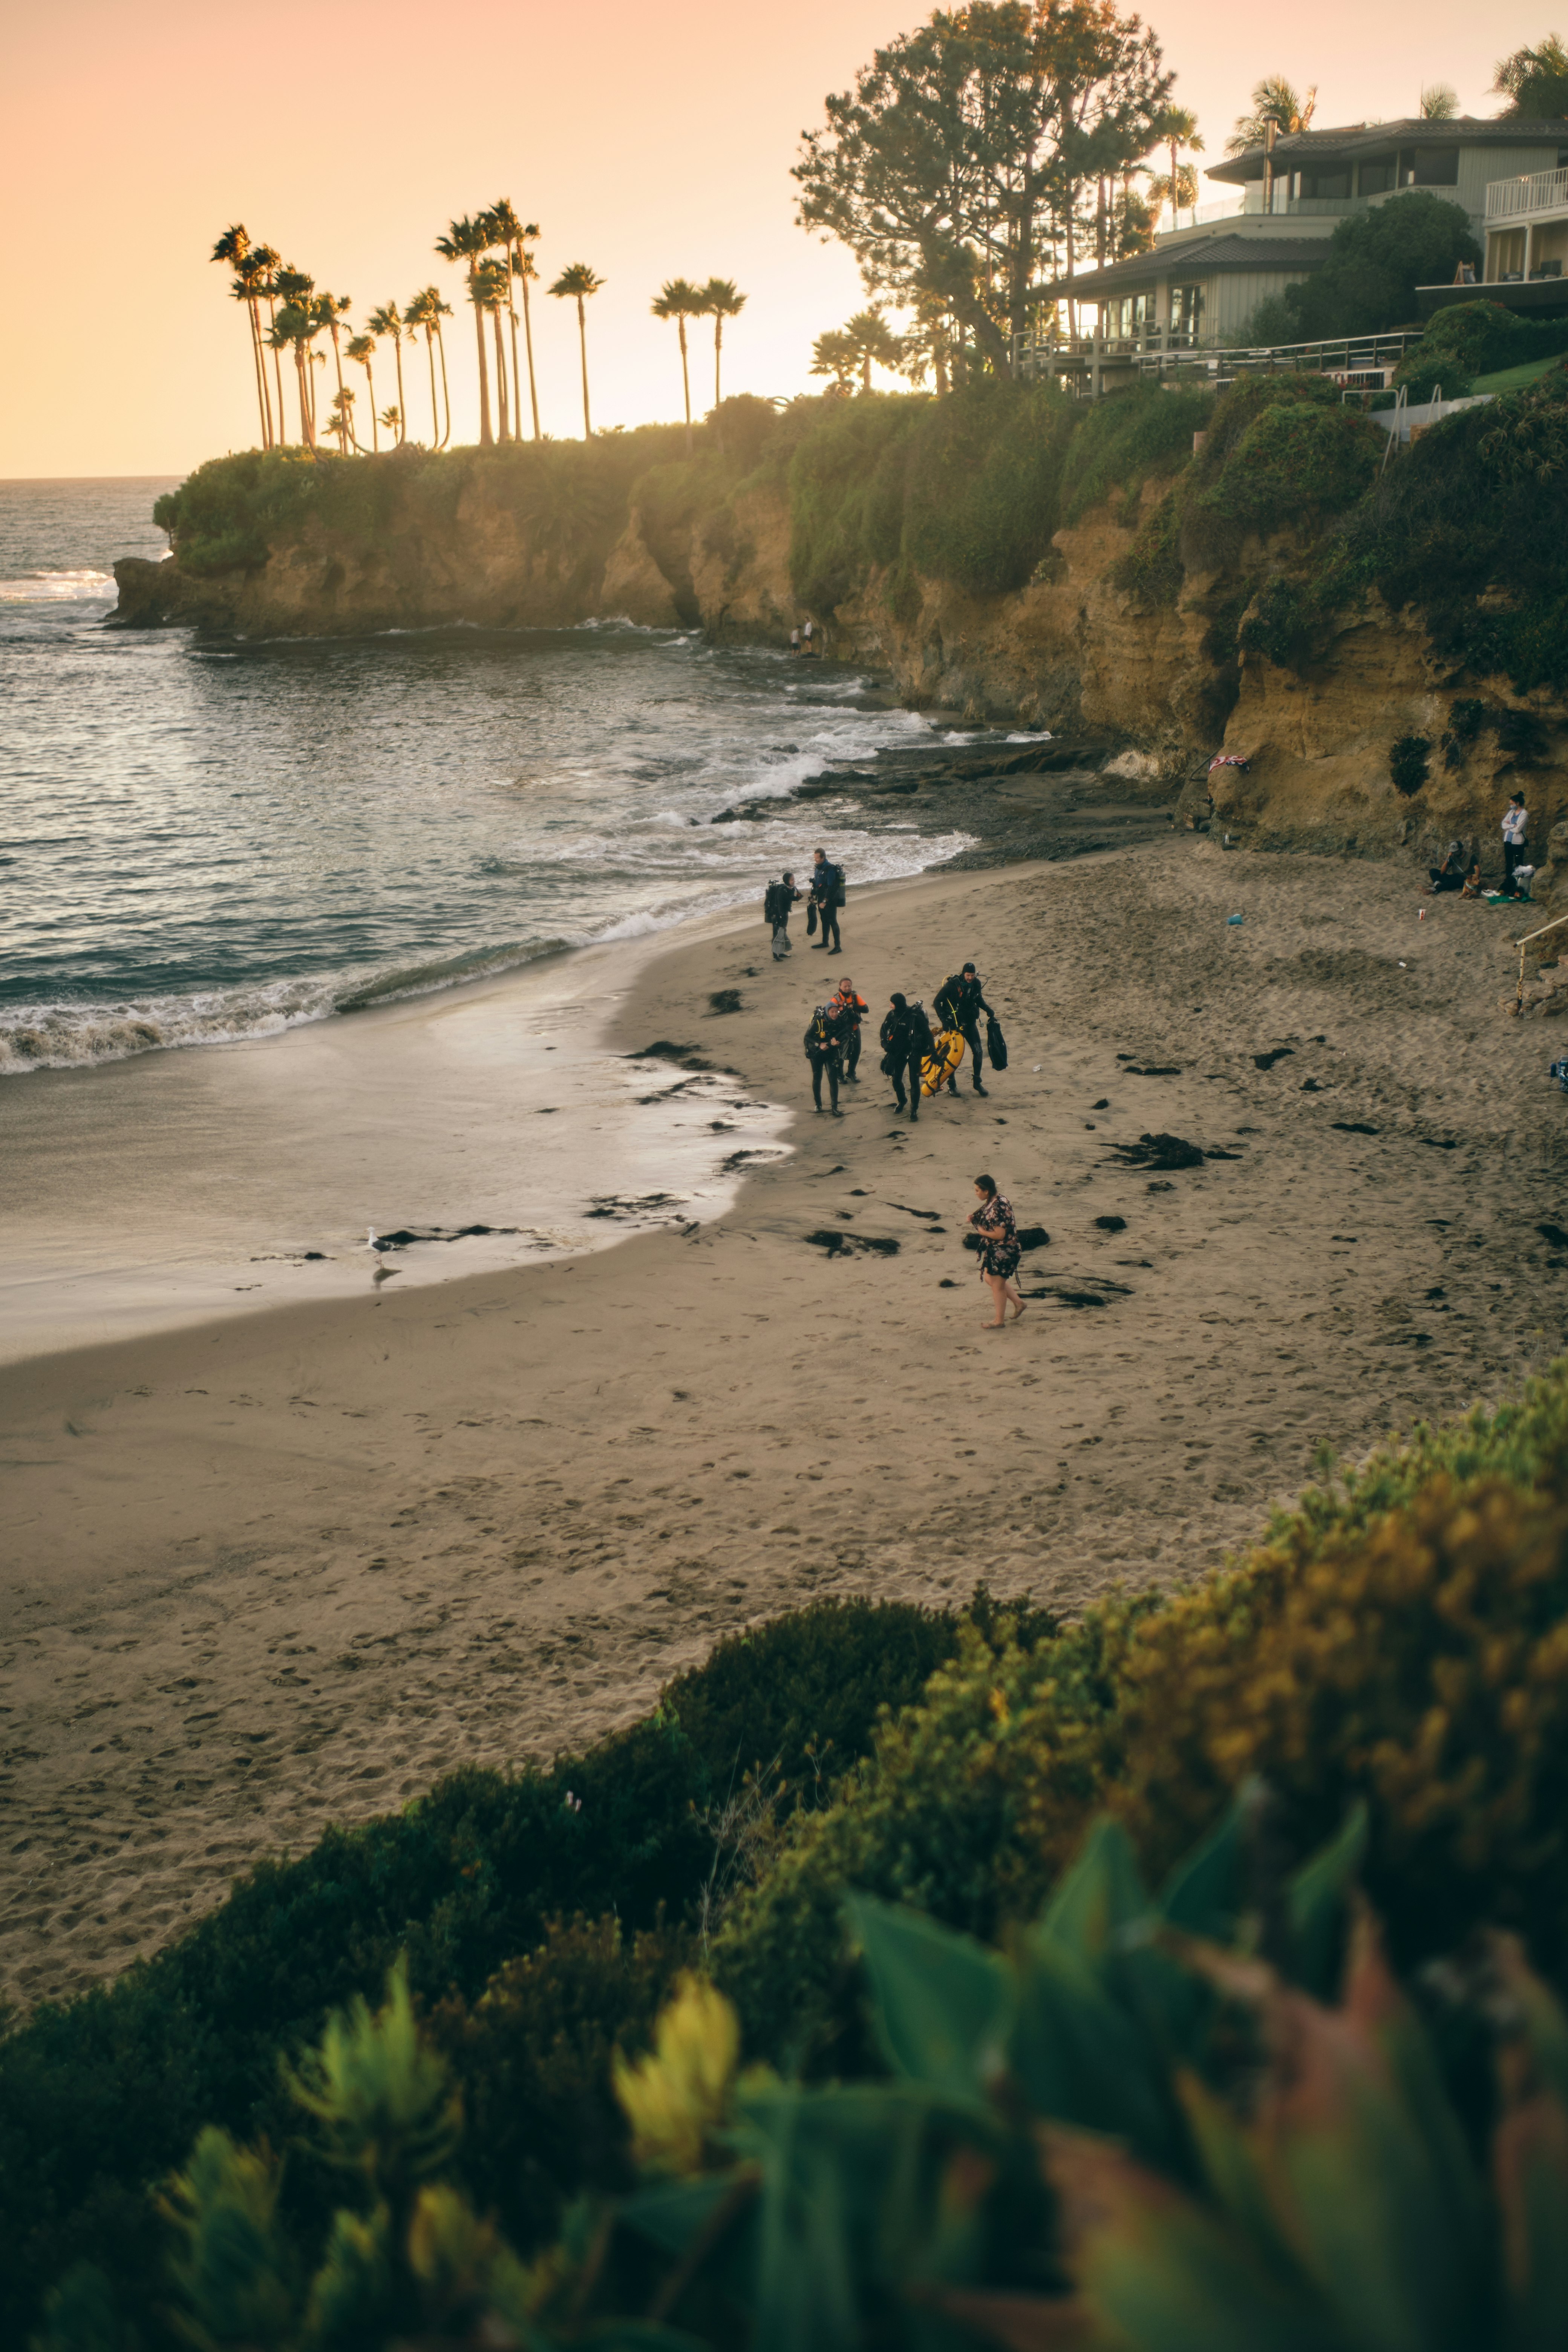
<point>1376,260</point>
<point>984,475</point>
<point>1127,439</point>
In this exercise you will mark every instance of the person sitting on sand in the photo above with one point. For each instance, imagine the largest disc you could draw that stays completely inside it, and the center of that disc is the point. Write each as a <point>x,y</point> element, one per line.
<point>824,1043</point>
<point>853,1009</point>
<point>1472,885</point>
<point>1450,875</point>
<point>777,900</point>
<point>993,1221</point>
<point>906,1041</point>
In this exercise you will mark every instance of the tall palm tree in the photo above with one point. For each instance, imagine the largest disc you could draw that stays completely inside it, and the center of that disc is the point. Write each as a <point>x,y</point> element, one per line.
<point>493,289</point>
<point>388,320</point>
<point>467,240</point>
<point>679,299</point>
<point>294,329</point>
<point>233,248</point>
<point>341,421</point>
<point>331,310</point>
<point>873,342</point>
<point>523,268</point>
<point>266,287</point>
<point>1179,128</point>
<point>427,311</point>
<point>1273,101</point>
<point>576,283</point>
<point>508,232</point>
<point>363,349</point>
<point>832,354</point>
<point>721,299</point>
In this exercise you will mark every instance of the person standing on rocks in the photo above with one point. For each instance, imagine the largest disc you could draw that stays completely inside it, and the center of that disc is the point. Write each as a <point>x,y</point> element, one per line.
<point>906,1041</point>
<point>1515,825</point>
<point>999,1252</point>
<point>777,900</point>
<point>959,1002</point>
<point>824,1043</point>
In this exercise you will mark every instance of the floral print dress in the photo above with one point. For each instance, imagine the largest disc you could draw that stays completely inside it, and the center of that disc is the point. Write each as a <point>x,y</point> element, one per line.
<point>999,1235</point>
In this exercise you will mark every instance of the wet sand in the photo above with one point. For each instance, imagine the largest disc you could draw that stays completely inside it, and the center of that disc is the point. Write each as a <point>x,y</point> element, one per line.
<point>275,1570</point>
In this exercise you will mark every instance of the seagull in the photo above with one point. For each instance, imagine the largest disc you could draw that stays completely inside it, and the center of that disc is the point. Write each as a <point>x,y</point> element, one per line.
<point>381,1271</point>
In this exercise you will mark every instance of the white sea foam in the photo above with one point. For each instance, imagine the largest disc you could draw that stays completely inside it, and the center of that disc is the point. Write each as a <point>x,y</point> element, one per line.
<point>59,588</point>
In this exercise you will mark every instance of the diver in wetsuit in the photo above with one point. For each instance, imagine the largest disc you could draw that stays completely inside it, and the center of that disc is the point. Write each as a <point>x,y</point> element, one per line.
<point>905,1042</point>
<point>959,1002</point>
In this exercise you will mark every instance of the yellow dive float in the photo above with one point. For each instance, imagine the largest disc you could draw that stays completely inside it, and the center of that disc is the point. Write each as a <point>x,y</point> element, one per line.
<point>938,1067</point>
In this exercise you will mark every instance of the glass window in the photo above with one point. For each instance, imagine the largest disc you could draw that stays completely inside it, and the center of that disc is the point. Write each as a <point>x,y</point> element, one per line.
<point>1326,184</point>
<point>1378,175</point>
<point>1186,311</point>
<point>1435,167</point>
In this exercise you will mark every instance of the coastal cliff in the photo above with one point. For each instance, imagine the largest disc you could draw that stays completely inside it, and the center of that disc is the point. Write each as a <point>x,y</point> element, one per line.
<point>1179,578</point>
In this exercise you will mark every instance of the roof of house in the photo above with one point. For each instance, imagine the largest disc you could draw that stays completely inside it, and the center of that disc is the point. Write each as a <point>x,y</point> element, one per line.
<point>1199,258</point>
<point>1294,149</point>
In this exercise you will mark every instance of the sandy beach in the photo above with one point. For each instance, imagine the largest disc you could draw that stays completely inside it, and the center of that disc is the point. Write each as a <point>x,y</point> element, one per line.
<point>270,1571</point>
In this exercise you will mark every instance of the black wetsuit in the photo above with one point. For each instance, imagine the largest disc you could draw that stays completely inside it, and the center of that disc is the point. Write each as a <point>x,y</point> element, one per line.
<point>960,1003</point>
<point>826,884</point>
<point>853,1009</point>
<point>906,1041</point>
<point>824,1043</point>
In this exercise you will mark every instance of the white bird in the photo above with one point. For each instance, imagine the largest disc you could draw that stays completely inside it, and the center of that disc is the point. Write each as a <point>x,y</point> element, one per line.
<point>381,1271</point>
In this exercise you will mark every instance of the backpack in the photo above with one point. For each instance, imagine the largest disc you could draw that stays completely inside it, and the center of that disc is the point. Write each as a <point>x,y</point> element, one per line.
<point>838,886</point>
<point>774,907</point>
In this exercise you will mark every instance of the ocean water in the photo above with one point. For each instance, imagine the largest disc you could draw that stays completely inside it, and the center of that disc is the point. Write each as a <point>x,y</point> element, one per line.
<point>204,842</point>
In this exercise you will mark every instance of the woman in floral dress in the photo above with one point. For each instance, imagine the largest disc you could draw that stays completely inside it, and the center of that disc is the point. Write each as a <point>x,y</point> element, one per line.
<point>993,1221</point>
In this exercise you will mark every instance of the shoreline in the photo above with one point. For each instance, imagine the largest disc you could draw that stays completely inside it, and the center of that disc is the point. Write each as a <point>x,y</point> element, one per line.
<point>289,1569</point>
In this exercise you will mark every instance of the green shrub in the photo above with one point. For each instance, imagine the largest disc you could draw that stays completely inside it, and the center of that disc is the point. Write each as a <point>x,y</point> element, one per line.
<point>1299,454</point>
<point>1376,260</point>
<point>847,494</point>
<point>1401,1637</point>
<point>1127,439</point>
<point>1407,761</point>
<point>99,2098</point>
<point>984,475</point>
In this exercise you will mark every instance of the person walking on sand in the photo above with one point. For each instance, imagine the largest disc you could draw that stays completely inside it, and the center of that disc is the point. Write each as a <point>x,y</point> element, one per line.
<point>824,1043</point>
<point>827,896</point>
<point>959,1002</point>
<point>794,643</point>
<point>906,1041</point>
<point>993,1221</point>
<point>777,900</point>
<point>854,1010</point>
<point>1515,825</point>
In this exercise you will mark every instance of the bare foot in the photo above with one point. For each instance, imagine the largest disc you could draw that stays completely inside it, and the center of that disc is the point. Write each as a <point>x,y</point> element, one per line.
<point>1017,1312</point>
<point>991,1326</point>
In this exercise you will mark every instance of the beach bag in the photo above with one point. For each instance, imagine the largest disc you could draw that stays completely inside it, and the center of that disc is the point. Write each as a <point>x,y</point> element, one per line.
<point>811,919</point>
<point>996,1044</point>
<point>838,886</point>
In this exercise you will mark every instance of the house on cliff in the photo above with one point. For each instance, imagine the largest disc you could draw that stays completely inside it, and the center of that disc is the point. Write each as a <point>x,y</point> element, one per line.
<point>1198,288</point>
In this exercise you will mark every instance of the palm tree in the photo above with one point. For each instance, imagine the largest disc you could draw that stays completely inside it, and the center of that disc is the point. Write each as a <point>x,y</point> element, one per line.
<point>467,240</point>
<point>832,354</point>
<point>388,320</point>
<point>721,299</point>
<point>392,418</point>
<point>679,299</point>
<point>508,230</point>
<point>233,248</point>
<point>294,329</point>
<point>1178,127</point>
<point>523,268</point>
<point>576,283</point>
<point>340,419</point>
<point>872,341</point>
<point>1181,190</point>
<point>1440,103</point>
<point>331,310</point>
<point>363,349</point>
<point>266,255</point>
<point>427,310</point>
<point>492,282</point>
<point>1534,81</point>
<point>1273,101</point>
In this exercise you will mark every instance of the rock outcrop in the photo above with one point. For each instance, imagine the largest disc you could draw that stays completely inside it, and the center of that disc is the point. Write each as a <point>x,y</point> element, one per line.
<point>1072,651</point>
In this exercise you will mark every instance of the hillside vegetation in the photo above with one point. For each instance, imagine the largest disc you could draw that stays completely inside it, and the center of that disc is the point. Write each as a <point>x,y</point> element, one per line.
<point>1396,1643</point>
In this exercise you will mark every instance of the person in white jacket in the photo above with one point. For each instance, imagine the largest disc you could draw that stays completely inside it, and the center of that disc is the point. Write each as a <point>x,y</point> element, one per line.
<point>1515,825</point>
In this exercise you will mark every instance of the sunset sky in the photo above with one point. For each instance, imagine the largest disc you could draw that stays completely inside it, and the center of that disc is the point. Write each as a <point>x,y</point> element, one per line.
<point>649,142</point>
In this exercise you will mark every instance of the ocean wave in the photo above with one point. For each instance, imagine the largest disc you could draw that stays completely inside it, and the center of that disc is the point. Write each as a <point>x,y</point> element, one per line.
<point>57,588</point>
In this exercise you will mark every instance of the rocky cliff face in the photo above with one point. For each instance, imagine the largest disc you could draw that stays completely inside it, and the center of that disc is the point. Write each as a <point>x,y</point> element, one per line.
<point>1071,651</point>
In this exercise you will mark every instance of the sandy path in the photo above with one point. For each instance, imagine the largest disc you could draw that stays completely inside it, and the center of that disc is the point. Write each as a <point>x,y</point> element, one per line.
<point>273,1572</point>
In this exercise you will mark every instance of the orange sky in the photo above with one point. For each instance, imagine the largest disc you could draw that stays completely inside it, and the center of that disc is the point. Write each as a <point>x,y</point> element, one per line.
<point>648,141</point>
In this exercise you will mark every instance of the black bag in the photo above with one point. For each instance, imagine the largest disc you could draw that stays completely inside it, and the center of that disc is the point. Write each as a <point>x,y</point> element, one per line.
<point>838,886</point>
<point>770,904</point>
<point>811,919</point>
<point>996,1044</point>
<point>890,1064</point>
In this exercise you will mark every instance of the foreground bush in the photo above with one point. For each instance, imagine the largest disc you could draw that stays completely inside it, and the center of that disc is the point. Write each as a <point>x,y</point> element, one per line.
<point>1401,1638</point>
<point>99,2098</point>
<point>1144,2126</point>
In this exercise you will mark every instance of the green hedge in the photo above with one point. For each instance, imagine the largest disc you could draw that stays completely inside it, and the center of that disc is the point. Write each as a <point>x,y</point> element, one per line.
<point>100,2097</point>
<point>1127,439</point>
<point>1401,1636</point>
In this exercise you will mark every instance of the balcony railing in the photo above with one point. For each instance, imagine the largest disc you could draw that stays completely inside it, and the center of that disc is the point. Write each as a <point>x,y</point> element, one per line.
<point>1162,352</point>
<point>1536,192</point>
